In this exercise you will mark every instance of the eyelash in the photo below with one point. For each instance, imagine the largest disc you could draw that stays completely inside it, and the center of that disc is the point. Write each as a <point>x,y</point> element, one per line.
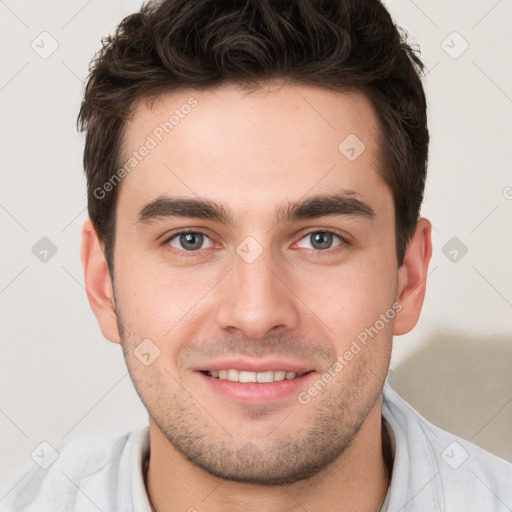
<point>319,253</point>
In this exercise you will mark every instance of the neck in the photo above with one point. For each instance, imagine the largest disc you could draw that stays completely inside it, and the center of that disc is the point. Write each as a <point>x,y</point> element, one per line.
<point>357,480</point>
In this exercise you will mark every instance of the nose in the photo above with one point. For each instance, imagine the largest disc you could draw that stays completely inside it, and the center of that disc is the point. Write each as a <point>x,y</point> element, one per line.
<point>256,297</point>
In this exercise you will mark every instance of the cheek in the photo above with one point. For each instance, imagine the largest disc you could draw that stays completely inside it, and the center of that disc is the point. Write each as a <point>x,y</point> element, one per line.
<point>162,303</point>
<point>350,298</point>
<point>157,301</point>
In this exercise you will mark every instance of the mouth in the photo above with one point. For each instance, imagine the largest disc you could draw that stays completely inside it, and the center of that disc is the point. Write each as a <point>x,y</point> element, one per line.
<point>244,376</point>
<point>255,387</point>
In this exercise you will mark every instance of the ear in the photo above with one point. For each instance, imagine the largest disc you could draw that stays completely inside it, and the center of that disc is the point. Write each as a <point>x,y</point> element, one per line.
<point>98,283</point>
<point>412,277</point>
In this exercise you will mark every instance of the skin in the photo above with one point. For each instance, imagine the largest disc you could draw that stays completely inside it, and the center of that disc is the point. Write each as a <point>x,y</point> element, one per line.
<point>253,152</point>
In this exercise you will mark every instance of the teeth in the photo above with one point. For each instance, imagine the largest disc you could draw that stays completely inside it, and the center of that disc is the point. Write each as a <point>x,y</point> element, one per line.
<point>243,376</point>
<point>265,377</point>
<point>280,375</point>
<point>232,375</point>
<point>247,376</point>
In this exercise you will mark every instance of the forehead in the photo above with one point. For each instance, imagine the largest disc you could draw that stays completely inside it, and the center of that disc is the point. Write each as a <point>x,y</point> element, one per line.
<point>261,145</point>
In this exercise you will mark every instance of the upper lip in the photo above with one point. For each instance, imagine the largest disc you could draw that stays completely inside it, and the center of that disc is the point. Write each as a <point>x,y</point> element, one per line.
<point>265,365</point>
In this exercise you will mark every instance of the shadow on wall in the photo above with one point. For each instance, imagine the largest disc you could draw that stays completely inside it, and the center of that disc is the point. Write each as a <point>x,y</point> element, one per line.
<point>463,385</point>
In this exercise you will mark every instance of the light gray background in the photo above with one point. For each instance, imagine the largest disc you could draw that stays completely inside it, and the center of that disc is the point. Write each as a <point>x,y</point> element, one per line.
<point>60,379</point>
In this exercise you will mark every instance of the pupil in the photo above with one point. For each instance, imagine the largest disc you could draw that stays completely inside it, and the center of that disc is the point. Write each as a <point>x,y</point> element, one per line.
<point>187,240</point>
<point>322,240</point>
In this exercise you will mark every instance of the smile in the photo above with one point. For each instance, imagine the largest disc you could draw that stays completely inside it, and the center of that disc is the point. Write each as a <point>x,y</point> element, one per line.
<point>250,387</point>
<point>246,376</point>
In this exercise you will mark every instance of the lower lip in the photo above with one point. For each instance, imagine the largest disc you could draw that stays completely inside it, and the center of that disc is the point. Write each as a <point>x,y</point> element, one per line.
<point>255,392</point>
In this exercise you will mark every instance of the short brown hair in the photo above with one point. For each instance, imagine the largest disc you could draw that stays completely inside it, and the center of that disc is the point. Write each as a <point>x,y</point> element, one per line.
<point>335,44</point>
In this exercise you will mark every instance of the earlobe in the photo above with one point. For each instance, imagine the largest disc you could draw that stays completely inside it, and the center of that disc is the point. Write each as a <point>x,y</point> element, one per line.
<point>412,277</point>
<point>98,283</point>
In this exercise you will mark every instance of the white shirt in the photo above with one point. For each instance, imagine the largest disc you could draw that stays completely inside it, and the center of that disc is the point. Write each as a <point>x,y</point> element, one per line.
<point>433,471</point>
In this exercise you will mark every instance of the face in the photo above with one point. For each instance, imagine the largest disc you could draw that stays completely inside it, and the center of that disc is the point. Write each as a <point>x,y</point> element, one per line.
<point>250,278</point>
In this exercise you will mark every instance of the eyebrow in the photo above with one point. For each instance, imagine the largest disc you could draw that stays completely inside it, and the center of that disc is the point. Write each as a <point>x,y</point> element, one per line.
<point>339,204</point>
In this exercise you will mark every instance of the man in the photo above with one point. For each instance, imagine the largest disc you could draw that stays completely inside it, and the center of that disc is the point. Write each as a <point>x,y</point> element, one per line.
<point>255,174</point>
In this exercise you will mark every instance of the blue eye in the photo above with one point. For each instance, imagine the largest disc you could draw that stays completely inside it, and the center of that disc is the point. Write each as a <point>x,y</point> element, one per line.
<point>188,241</point>
<point>191,242</point>
<point>322,240</point>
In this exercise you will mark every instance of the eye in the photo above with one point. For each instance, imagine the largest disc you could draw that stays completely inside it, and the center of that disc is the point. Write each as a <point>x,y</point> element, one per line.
<point>322,240</point>
<point>188,241</point>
